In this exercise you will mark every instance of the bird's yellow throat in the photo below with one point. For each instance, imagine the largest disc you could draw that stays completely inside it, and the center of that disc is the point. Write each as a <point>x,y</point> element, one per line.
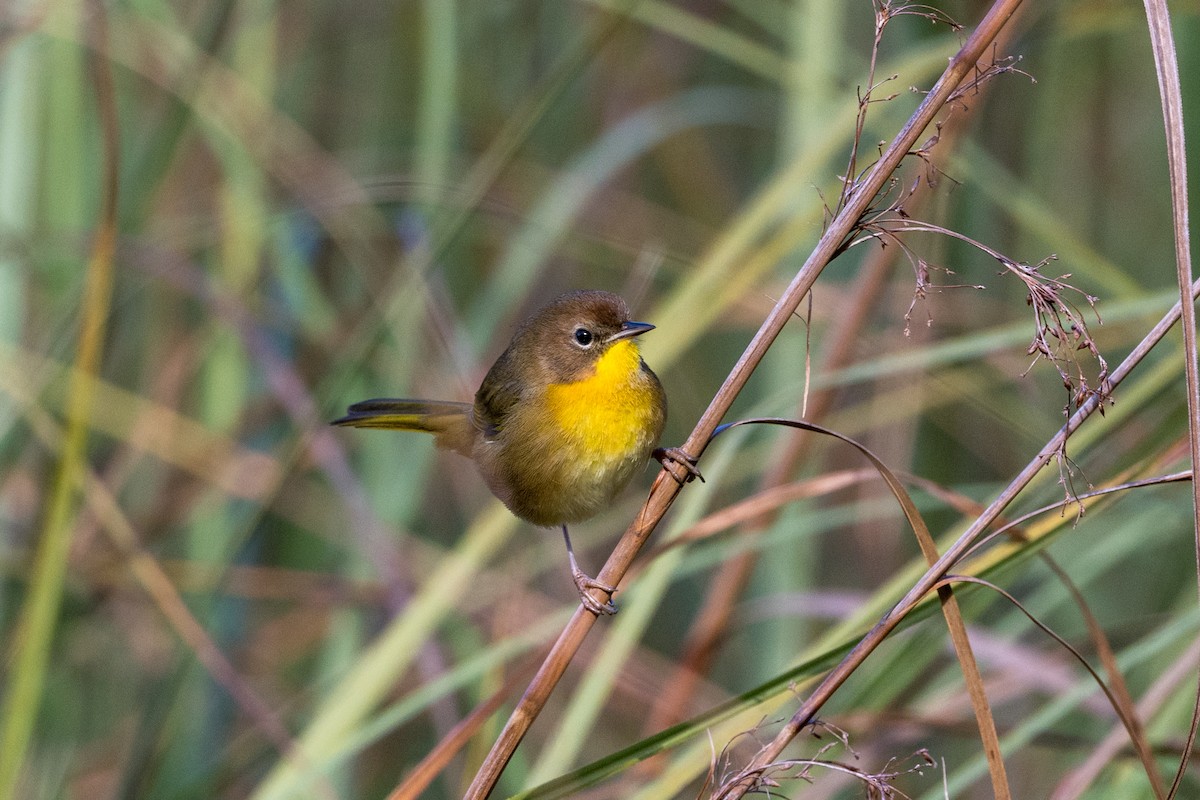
<point>607,410</point>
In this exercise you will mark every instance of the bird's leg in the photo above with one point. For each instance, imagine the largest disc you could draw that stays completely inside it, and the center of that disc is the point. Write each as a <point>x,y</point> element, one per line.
<point>664,454</point>
<point>584,582</point>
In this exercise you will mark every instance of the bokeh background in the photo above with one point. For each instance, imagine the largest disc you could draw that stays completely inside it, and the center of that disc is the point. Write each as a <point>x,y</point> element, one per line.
<point>319,202</point>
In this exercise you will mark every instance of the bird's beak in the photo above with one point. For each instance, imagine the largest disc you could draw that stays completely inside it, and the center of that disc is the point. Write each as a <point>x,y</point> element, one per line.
<point>629,330</point>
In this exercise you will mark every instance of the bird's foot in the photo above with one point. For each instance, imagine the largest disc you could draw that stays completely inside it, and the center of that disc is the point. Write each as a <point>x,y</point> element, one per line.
<point>676,454</point>
<point>584,584</point>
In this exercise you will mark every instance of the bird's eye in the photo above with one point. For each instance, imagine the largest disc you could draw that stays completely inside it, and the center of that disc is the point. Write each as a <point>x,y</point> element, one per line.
<point>583,337</point>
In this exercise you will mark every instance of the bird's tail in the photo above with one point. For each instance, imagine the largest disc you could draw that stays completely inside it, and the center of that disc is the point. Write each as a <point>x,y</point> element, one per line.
<point>450,423</point>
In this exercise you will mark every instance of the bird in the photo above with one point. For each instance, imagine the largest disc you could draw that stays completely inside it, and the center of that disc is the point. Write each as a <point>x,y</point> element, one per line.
<point>561,423</point>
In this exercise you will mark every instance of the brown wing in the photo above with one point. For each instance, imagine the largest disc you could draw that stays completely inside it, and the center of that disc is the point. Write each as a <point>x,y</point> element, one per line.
<point>497,396</point>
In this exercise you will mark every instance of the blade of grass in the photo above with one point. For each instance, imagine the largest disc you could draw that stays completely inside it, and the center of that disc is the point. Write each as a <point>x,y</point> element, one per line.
<point>1176,632</point>
<point>950,608</point>
<point>1170,94</point>
<point>39,613</point>
<point>438,758</point>
<point>155,582</point>
<point>20,92</point>
<point>439,90</point>
<point>690,27</point>
<point>1132,730</point>
<point>1076,782</point>
<point>175,439</point>
<point>392,651</point>
<point>563,200</point>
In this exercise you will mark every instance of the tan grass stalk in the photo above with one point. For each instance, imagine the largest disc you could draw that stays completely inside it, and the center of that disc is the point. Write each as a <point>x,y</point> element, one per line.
<point>1171,96</point>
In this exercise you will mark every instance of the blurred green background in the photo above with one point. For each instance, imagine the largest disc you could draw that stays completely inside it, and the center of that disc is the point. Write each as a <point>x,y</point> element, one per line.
<point>320,202</point>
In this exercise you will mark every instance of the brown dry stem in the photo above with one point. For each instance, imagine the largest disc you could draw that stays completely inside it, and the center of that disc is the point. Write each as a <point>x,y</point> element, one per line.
<point>669,482</point>
<point>1170,94</point>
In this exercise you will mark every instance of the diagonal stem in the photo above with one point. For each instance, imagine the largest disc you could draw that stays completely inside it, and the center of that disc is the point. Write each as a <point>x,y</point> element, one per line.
<point>669,482</point>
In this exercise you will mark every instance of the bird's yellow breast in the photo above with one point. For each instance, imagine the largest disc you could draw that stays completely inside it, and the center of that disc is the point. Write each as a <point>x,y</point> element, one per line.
<point>610,414</point>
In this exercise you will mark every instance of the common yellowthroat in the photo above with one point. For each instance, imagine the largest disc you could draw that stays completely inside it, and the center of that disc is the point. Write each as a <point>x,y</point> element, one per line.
<point>560,424</point>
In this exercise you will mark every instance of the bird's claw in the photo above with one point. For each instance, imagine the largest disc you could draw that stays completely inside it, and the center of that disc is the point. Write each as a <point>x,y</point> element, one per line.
<point>676,454</point>
<point>584,584</point>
